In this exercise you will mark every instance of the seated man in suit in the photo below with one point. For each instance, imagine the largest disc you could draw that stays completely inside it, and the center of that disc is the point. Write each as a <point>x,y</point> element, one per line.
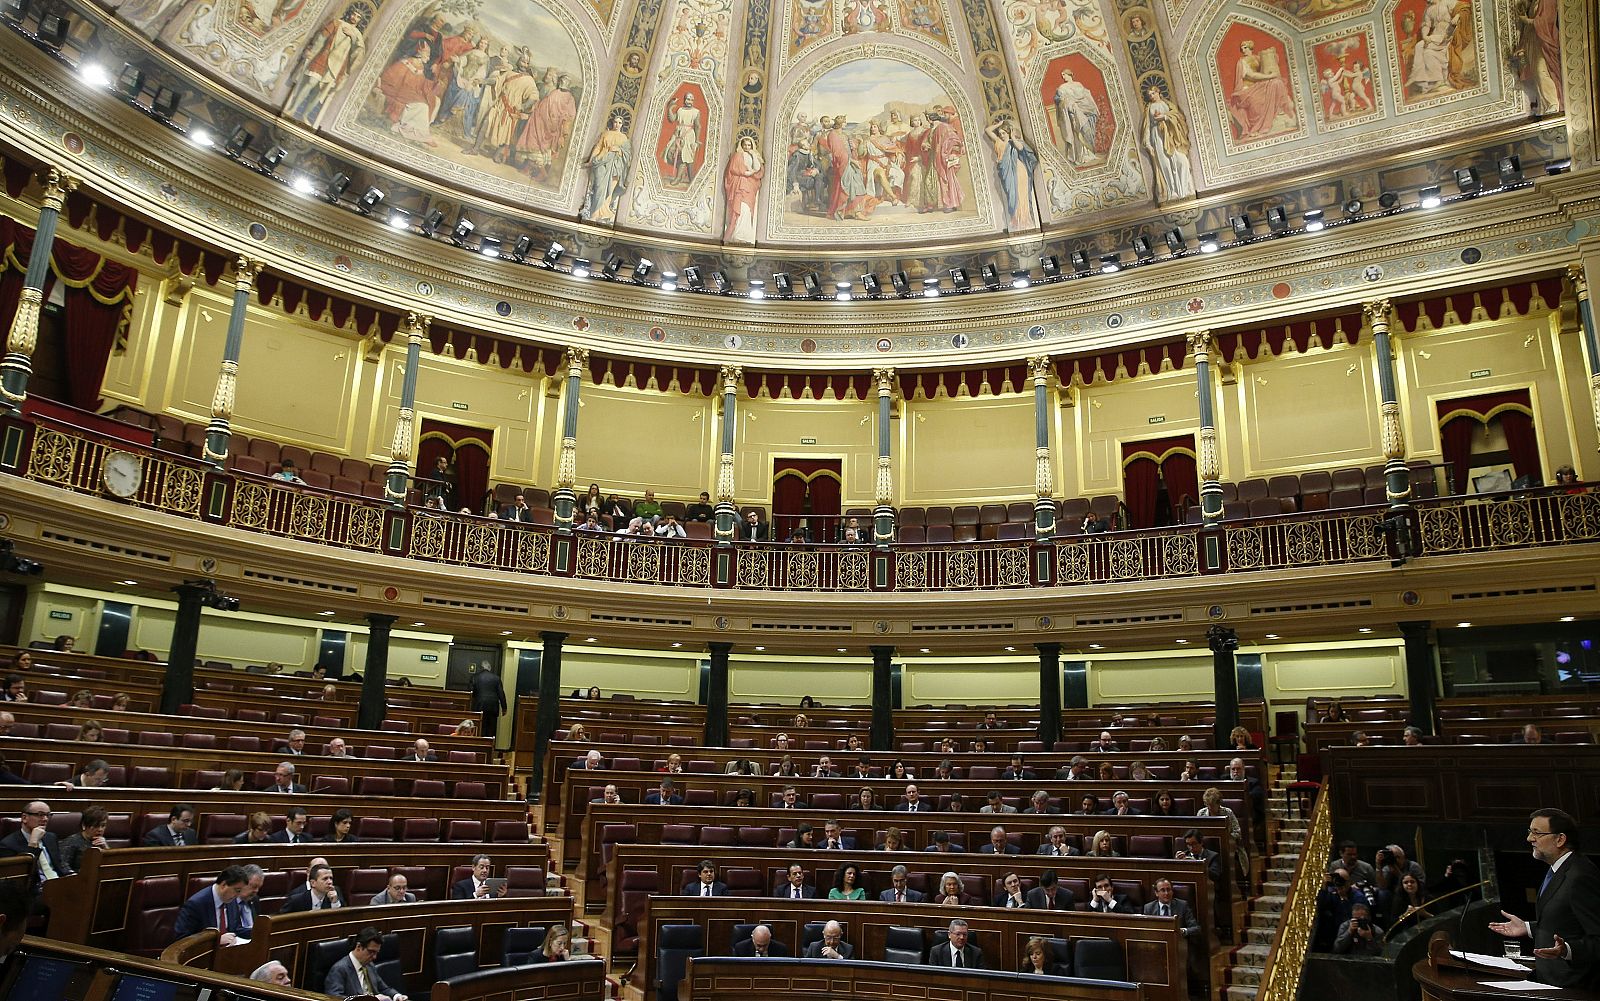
<point>707,885</point>
<point>1050,895</point>
<point>1078,768</point>
<point>593,761</point>
<point>95,775</point>
<point>795,886</point>
<point>790,799</point>
<point>1105,744</point>
<point>247,906</point>
<point>337,748</point>
<point>833,838</point>
<point>995,804</point>
<point>421,752</point>
<point>1010,895</point>
<point>1016,771</point>
<point>912,802</point>
<point>357,974</point>
<point>214,906</point>
<point>998,843</point>
<point>295,744</point>
<point>283,779</point>
<point>517,510</point>
<point>665,795</point>
<point>1167,904</point>
<point>395,893</point>
<point>609,795</point>
<point>760,944</point>
<point>1194,847</point>
<point>1104,900</point>
<point>34,838</point>
<point>177,832</point>
<point>941,843</point>
<point>1039,804</point>
<point>831,945</point>
<point>1252,787</point>
<point>1055,843</point>
<point>476,886</point>
<point>955,951</point>
<point>1530,735</point>
<point>294,827</point>
<point>317,893</point>
<point>899,891</point>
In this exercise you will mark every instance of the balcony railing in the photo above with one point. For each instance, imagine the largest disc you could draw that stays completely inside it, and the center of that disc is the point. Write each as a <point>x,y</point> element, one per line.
<point>73,458</point>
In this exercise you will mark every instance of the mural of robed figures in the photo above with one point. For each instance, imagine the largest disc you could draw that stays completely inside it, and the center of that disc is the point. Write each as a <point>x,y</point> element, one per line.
<point>1167,143</point>
<point>488,92</point>
<point>1081,120</point>
<point>1254,70</point>
<point>681,144</point>
<point>741,187</point>
<point>328,58</point>
<point>608,171</point>
<point>1538,52</point>
<point>1015,164</point>
<point>1437,41</point>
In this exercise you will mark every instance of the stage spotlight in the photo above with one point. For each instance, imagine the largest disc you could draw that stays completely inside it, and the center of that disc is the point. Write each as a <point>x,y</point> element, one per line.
<point>1176,244</point>
<point>1510,168</point>
<point>369,200</point>
<point>1143,249</point>
<point>1467,181</point>
<point>489,246</point>
<point>16,10</point>
<point>1020,278</point>
<point>813,284</point>
<point>130,82</point>
<point>1209,244</point>
<point>1313,220</point>
<point>580,267</point>
<point>1353,208</point>
<point>1278,220</point>
<point>338,186</point>
<point>841,291</point>
<point>239,142</point>
<point>642,269</point>
<point>93,74</point>
<point>719,281</point>
<point>520,248</point>
<point>303,184</point>
<point>1080,262</point>
<point>960,280</point>
<point>669,281</point>
<point>1560,166</point>
<point>552,254</point>
<point>1388,200</point>
<point>166,102</point>
<point>53,29</point>
<point>432,221</point>
<point>10,562</point>
<point>691,277</point>
<point>1110,264</point>
<point>783,284</point>
<point>463,229</point>
<point>272,157</point>
<point>613,265</point>
<point>1242,227</point>
<point>1050,266</point>
<point>399,219</point>
<point>1429,197</point>
<point>870,284</point>
<point>990,274</point>
<point>758,289</point>
<point>901,284</point>
<point>201,137</point>
<point>930,288</point>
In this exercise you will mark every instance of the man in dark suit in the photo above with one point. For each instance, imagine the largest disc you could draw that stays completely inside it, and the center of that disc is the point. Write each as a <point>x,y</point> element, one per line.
<point>790,799</point>
<point>294,827</point>
<point>1017,771</point>
<point>1105,744</point>
<point>833,838</point>
<point>1566,925</point>
<point>421,752</point>
<point>754,529</point>
<point>214,906</point>
<point>177,832</point>
<point>831,945</point>
<point>998,844</point>
<point>1039,804</point>
<point>517,510</point>
<point>1530,735</point>
<point>899,892</point>
<point>1167,904</point>
<point>707,885</point>
<point>476,886</point>
<point>760,944</point>
<point>316,894</point>
<point>1252,788</point>
<point>665,795</point>
<point>1055,843</point>
<point>1010,894</point>
<point>955,951</point>
<point>283,779</point>
<point>1050,895</point>
<point>488,698</point>
<point>1103,899</point>
<point>34,839</point>
<point>357,975</point>
<point>912,802</point>
<point>795,886</point>
<point>1194,847</point>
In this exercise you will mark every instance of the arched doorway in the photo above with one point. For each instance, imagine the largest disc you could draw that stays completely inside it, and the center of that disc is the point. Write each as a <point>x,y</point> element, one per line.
<point>805,494</point>
<point>1158,480</point>
<point>465,448</point>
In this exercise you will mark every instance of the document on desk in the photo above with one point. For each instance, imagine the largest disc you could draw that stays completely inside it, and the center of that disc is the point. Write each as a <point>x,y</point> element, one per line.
<point>1515,985</point>
<point>1494,962</point>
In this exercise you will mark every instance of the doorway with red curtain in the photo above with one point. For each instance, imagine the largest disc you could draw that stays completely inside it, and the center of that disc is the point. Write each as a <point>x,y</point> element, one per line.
<point>467,450</point>
<point>1466,421</point>
<point>806,494</point>
<point>1158,480</point>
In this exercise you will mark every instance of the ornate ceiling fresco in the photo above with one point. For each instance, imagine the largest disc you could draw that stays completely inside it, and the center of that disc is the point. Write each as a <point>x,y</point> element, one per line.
<point>786,125</point>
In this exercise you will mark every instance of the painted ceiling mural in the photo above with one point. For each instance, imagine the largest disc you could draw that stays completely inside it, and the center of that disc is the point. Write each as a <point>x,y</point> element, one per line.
<point>868,122</point>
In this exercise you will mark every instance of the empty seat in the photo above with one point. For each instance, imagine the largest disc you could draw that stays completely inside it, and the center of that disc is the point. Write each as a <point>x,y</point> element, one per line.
<point>939,516</point>
<point>912,516</point>
<point>151,777</point>
<point>375,785</point>
<point>427,787</point>
<point>1316,481</point>
<point>509,831</point>
<point>913,535</point>
<point>155,738</point>
<point>463,790</point>
<point>675,945</point>
<point>1342,497</point>
<point>200,741</point>
<point>464,830</point>
<point>419,829</point>
<point>966,514</point>
<point>47,772</point>
<point>1265,507</point>
<point>1099,959</point>
<point>1349,479</point>
<point>153,904</point>
<point>940,534</point>
<point>1013,531</point>
<point>455,952</point>
<point>1235,509</point>
<point>375,829</point>
<point>1284,487</point>
<point>1252,489</point>
<point>333,785</point>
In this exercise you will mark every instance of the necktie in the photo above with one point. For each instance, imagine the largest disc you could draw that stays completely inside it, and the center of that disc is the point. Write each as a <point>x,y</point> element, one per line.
<point>705,889</point>
<point>899,897</point>
<point>47,871</point>
<point>366,979</point>
<point>1164,912</point>
<point>955,958</point>
<point>794,891</point>
<point>1547,878</point>
<point>222,918</point>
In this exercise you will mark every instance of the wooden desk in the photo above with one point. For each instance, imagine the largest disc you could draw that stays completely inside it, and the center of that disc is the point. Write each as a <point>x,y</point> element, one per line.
<point>1321,736</point>
<point>725,978</point>
<point>1154,948</point>
<point>1461,783</point>
<point>1443,977</point>
<point>575,980</point>
<point>108,968</point>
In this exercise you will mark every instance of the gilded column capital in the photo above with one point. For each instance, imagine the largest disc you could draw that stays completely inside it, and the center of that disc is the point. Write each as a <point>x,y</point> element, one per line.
<point>58,184</point>
<point>1039,367</point>
<point>1199,342</point>
<point>577,358</point>
<point>246,270</point>
<point>1377,312</point>
<point>1580,282</point>
<point>731,376</point>
<point>417,325</point>
<point>884,377</point>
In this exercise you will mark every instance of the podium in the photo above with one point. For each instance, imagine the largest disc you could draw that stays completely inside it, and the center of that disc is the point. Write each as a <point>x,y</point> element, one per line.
<point>1446,977</point>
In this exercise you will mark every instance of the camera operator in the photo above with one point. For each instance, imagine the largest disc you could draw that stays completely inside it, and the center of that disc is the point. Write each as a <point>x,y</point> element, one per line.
<point>1359,936</point>
<point>1335,906</point>
<point>1458,875</point>
<point>1391,863</point>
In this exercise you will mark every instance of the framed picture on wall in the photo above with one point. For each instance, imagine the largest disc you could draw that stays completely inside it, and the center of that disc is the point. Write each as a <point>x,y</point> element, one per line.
<point>1490,479</point>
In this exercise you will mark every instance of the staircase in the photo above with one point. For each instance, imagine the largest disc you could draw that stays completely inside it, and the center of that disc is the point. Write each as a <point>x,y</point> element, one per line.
<point>1247,962</point>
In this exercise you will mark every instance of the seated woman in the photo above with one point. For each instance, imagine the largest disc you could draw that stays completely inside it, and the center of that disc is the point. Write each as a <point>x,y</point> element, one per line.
<point>742,766</point>
<point>1164,805</point>
<point>1106,772</point>
<point>893,841</point>
<point>121,702</point>
<point>91,731</point>
<point>232,781</point>
<point>1239,739</point>
<point>866,799</point>
<point>1158,744</point>
<point>1039,959</point>
<point>847,883</point>
<point>81,699</point>
<point>557,945</point>
<point>786,768</point>
<point>898,771</point>
<point>578,733</point>
<point>341,827</point>
<point>951,890</point>
<point>1405,906</point>
<point>465,728</point>
<point>1185,743</point>
<point>1138,772</point>
<point>807,702</point>
<point>1102,846</point>
<point>1335,714</point>
<point>744,797</point>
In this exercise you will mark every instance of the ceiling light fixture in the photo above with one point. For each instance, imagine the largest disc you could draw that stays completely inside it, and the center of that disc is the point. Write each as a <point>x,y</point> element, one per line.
<point>1176,244</point>
<point>1278,220</point>
<point>1080,262</point>
<point>369,200</point>
<point>841,291</point>
<point>1143,249</point>
<point>271,158</point>
<point>1209,244</point>
<point>523,244</point>
<point>758,289</point>
<point>669,281</point>
<point>930,288</point>
<point>462,230</point>
<point>93,74</point>
<point>552,255</point>
<point>642,269</point>
<point>783,284</point>
<point>432,221</point>
<point>1313,220</point>
<point>960,280</point>
<point>1467,181</point>
<point>489,246</point>
<point>990,274</point>
<point>1020,279</point>
<point>900,283</point>
<point>1110,264</point>
<point>870,284</point>
<point>580,268</point>
<point>1429,197</point>
<point>130,82</point>
<point>200,137</point>
<point>1050,266</point>
<point>812,284</point>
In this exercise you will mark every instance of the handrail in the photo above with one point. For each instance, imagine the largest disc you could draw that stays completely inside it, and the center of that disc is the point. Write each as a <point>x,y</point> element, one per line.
<point>1422,908</point>
<point>1280,981</point>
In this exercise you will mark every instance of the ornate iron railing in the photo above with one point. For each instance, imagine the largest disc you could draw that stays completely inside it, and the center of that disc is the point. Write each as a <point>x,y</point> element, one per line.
<point>1280,981</point>
<point>71,457</point>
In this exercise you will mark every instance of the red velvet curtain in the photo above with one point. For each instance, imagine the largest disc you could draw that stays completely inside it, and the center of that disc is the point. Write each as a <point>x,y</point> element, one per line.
<point>1522,440</point>
<point>1149,465</point>
<point>806,492</point>
<point>1455,440</point>
<point>467,451</point>
<point>1140,484</point>
<point>1183,480</point>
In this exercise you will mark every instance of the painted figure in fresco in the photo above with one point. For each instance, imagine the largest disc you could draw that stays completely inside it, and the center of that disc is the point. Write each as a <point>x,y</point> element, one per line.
<point>922,190</point>
<point>409,97</point>
<point>811,24</point>
<point>1260,96</point>
<point>834,147</point>
<point>329,57</point>
<point>1014,164</point>
<point>511,95</point>
<point>456,49</point>
<point>1077,119</point>
<point>865,15</point>
<point>549,127</point>
<point>741,185</point>
<point>859,201</point>
<point>1463,63</point>
<point>1166,142</point>
<point>1539,53</point>
<point>1430,63</point>
<point>878,152</point>
<point>679,156</point>
<point>608,168</point>
<point>921,16</point>
<point>1406,39</point>
<point>948,147</point>
<point>807,175</point>
<point>432,32</point>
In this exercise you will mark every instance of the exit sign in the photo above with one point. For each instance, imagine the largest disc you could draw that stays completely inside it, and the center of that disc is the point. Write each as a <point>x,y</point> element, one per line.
<point>808,441</point>
<point>62,616</point>
<point>430,658</point>
<point>457,405</point>
<point>1158,419</point>
<point>1482,373</point>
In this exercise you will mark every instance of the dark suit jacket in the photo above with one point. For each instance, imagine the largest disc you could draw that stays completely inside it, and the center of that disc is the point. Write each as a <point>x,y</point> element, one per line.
<point>162,837</point>
<point>718,889</point>
<point>971,956</point>
<point>16,843</point>
<point>1570,907</point>
<point>1066,851</point>
<point>197,912</point>
<point>905,807</point>
<point>487,691</point>
<point>1039,901</point>
<point>299,899</point>
<point>988,849</point>
<point>295,787</point>
<point>912,896</point>
<point>759,532</point>
<point>807,891</point>
<point>814,950</point>
<point>654,799</point>
<point>343,981</point>
<point>1000,900</point>
<point>1050,970</point>
<point>282,837</point>
<point>413,757</point>
<point>1027,774</point>
<point>1180,910</point>
<point>748,948</point>
<point>513,513</point>
<point>463,889</point>
<point>1040,813</point>
<point>1119,905</point>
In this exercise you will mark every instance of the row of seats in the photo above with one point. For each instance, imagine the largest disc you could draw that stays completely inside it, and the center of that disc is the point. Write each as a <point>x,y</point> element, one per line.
<point>975,773</point>
<point>153,777</point>
<point>1181,805</point>
<point>712,835</point>
<point>213,742</point>
<point>124,830</point>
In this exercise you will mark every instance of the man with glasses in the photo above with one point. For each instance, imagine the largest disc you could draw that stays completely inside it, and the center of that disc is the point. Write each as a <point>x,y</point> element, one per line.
<point>832,944</point>
<point>900,892</point>
<point>1566,925</point>
<point>177,832</point>
<point>1055,843</point>
<point>355,975</point>
<point>34,838</point>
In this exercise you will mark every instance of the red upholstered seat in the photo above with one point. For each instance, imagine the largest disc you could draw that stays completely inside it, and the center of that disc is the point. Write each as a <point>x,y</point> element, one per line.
<point>428,787</point>
<point>464,831</point>
<point>508,831</point>
<point>463,790</point>
<point>419,829</point>
<point>155,738</point>
<point>153,904</point>
<point>375,829</point>
<point>376,785</point>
